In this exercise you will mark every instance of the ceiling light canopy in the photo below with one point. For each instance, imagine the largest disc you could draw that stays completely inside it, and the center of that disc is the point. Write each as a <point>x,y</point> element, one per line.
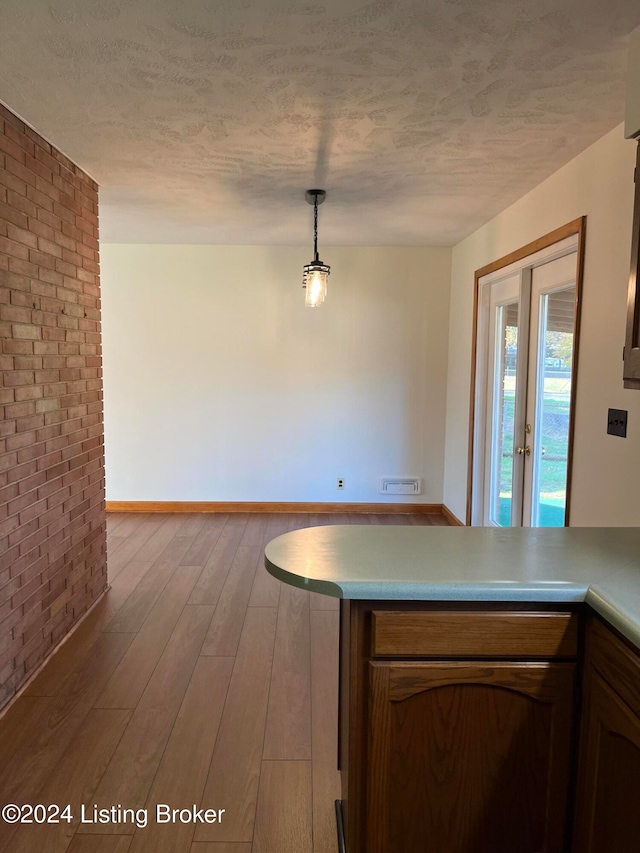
<point>315,274</point>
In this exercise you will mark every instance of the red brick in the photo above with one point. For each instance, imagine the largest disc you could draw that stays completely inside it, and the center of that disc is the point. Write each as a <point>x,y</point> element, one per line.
<point>71,230</point>
<point>13,249</point>
<point>9,525</point>
<point>67,295</point>
<point>22,236</point>
<point>45,157</point>
<point>64,160</point>
<point>7,427</point>
<point>65,321</point>
<point>51,276</point>
<point>55,491</point>
<point>22,502</point>
<point>27,362</point>
<point>18,347</point>
<point>49,218</point>
<point>39,198</point>
<point>25,298</point>
<point>8,116</point>
<point>19,377</point>
<point>44,318</point>
<point>53,362</point>
<point>17,168</point>
<point>65,214</point>
<point>50,334</point>
<point>28,392</point>
<point>43,259</point>
<point>50,247</point>
<point>41,230</point>
<point>32,542</point>
<point>70,269</point>
<point>11,182</point>
<point>17,135</point>
<point>22,204</point>
<point>45,347</point>
<point>57,417</point>
<point>48,433</point>
<point>18,265</point>
<point>39,169</point>
<point>23,439</point>
<point>32,422</point>
<point>15,314</point>
<point>26,454</point>
<point>26,332</point>
<point>10,147</point>
<point>77,182</point>
<point>14,215</point>
<point>21,474</point>
<point>52,523</point>
<point>42,287</point>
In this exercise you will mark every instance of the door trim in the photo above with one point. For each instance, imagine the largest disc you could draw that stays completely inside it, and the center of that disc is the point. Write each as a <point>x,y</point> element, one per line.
<point>576,226</point>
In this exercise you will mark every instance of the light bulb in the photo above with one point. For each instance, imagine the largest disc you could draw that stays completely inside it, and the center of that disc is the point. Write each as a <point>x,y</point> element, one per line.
<point>316,288</point>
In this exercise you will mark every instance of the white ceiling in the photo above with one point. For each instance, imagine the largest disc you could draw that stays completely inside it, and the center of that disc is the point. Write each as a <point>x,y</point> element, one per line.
<point>206,120</point>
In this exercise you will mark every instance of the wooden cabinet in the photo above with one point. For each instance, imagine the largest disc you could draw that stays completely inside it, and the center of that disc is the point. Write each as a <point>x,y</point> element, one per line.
<point>469,757</point>
<point>459,730</point>
<point>608,805</point>
<point>465,745</point>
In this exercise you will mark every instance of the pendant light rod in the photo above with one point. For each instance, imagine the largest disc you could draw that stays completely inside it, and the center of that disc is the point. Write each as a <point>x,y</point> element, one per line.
<point>315,197</point>
<point>315,274</point>
<point>315,230</point>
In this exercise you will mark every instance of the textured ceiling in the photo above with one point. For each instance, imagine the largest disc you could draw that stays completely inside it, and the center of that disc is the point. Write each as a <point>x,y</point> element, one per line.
<point>206,120</point>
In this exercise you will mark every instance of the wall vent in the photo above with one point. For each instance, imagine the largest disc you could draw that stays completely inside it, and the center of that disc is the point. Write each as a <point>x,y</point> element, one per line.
<point>400,486</point>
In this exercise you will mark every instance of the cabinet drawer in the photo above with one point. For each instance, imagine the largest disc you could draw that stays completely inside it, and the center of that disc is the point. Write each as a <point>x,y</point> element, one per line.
<point>488,634</point>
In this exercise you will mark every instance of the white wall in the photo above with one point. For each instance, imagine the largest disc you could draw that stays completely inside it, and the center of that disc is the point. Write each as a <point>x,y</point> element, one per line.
<point>598,183</point>
<point>221,386</point>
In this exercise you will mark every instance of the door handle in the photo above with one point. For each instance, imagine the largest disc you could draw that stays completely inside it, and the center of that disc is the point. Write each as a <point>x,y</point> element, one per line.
<point>523,450</point>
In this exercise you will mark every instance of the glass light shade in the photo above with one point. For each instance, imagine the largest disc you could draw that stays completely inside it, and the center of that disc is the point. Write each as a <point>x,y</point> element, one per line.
<point>314,280</point>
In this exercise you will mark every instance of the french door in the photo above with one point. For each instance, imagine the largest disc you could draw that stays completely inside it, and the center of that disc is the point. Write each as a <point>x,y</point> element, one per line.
<point>526,363</point>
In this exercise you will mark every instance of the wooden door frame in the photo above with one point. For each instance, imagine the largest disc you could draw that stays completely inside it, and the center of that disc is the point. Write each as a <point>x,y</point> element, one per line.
<point>576,226</point>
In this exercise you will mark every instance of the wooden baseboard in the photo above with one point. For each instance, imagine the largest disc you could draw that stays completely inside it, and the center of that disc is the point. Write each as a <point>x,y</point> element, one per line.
<point>269,506</point>
<point>453,520</point>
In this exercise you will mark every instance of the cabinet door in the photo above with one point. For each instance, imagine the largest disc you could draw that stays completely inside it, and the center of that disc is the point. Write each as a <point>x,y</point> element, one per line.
<point>608,811</point>
<point>469,757</point>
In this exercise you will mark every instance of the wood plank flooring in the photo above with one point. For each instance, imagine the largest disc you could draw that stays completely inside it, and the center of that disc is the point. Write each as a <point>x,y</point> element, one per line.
<point>197,680</point>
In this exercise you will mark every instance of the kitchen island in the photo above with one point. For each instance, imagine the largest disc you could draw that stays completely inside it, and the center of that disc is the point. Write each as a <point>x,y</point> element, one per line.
<point>489,684</point>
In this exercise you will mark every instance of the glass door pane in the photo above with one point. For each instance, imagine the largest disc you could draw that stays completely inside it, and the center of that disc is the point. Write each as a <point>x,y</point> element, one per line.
<point>503,420</point>
<point>551,434</point>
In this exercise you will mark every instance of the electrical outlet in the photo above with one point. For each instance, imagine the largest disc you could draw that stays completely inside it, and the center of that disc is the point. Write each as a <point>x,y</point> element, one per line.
<point>340,483</point>
<point>617,422</point>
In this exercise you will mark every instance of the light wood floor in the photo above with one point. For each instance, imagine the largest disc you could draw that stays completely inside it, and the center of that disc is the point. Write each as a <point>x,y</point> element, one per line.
<point>198,679</point>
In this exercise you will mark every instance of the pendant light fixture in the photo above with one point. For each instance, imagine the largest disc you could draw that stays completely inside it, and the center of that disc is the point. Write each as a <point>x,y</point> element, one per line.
<point>315,275</point>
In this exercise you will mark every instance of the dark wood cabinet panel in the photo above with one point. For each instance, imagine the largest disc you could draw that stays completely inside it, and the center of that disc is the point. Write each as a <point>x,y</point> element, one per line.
<point>469,757</point>
<point>608,813</point>
<point>468,635</point>
<point>616,662</point>
<point>452,754</point>
<point>608,803</point>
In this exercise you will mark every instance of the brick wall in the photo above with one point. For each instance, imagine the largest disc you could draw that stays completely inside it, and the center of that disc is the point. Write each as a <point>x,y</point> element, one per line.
<point>52,519</point>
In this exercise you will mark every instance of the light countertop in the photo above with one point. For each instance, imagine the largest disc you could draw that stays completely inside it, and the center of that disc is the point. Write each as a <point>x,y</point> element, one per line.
<point>598,565</point>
